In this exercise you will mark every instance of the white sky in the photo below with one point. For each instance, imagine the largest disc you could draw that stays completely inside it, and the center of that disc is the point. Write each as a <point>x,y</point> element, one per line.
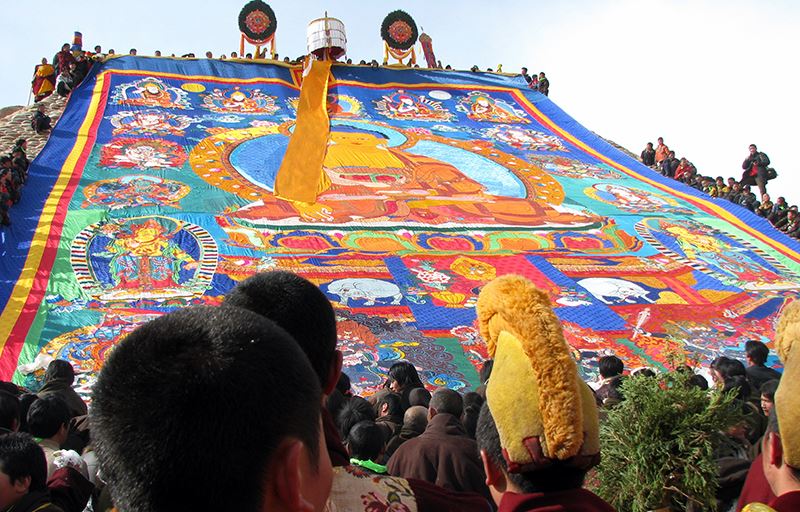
<point>710,77</point>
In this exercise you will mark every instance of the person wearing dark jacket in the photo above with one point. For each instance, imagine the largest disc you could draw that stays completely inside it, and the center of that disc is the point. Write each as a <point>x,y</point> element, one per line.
<point>443,454</point>
<point>757,371</point>
<point>544,84</point>
<point>669,165</point>
<point>755,169</point>
<point>649,155</point>
<point>415,420</point>
<point>58,380</point>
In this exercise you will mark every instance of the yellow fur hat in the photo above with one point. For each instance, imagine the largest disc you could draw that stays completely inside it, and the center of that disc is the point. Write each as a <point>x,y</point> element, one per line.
<point>787,397</point>
<point>543,411</point>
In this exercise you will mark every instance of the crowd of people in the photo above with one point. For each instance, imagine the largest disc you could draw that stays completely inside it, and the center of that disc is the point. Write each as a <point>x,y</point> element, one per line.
<point>756,172</point>
<point>244,406</point>
<point>13,175</point>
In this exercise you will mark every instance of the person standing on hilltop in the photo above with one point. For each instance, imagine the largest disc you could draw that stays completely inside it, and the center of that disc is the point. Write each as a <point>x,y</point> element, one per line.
<point>63,59</point>
<point>544,84</point>
<point>44,80</point>
<point>755,169</point>
<point>649,155</point>
<point>662,150</point>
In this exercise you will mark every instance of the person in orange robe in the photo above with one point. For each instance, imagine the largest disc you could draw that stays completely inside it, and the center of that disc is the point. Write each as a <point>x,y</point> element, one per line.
<point>44,80</point>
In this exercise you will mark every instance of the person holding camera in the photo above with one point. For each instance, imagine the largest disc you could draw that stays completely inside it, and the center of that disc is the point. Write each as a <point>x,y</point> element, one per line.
<point>755,169</point>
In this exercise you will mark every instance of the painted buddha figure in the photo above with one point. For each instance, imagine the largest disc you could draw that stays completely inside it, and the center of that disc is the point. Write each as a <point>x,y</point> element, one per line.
<point>371,182</point>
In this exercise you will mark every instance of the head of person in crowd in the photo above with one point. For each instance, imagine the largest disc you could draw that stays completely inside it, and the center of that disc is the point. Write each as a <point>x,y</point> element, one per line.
<point>23,469</point>
<point>781,201</point>
<point>301,308</point>
<point>111,51</point>
<point>343,385</point>
<point>209,55</point>
<point>643,372</point>
<point>698,381</point>
<point>753,149</point>
<point>389,406</point>
<point>334,402</point>
<point>538,431</point>
<point>365,441</point>
<point>60,371</point>
<point>226,410</point>
<point>132,51</point>
<point>234,55</point>
<point>65,47</point>
<point>723,368</point>
<point>157,53</point>
<point>403,376</point>
<point>25,402</point>
<point>9,413</point>
<point>541,75</point>
<point>524,70</point>
<point>445,401</point>
<point>98,49</point>
<point>248,56</point>
<point>486,370</point>
<point>415,418</point>
<point>419,396</point>
<point>757,352</point>
<point>731,182</point>
<point>48,418</point>
<point>738,386</point>
<point>472,408</point>
<point>610,366</point>
<point>353,411</point>
<point>767,393</point>
<point>649,146</point>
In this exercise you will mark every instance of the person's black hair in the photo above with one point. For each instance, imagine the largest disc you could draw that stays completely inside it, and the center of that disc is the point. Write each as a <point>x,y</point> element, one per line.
<point>365,441</point>
<point>447,401</point>
<point>610,366</point>
<point>473,399</point>
<point>334,402</point>
<point>405,375</point>
<point>472,408</point>
<point>392,400</point>
<point>9,411</point>
<point>486,370</point>
<point>353,411</point>
<point>9,387</point>
<point>343,385</point>
<point>297,305</point>
<point>643,372</point>
<point>738,385</point>
<point>21,456</point>
<point>757,352</point>
<point>698,381</point>
<point>419,396</point>
<point>769,388</point>
<point>58,369</point>
<point>20,142</point>
<point>190,396</point>
<point>47,415</point>
<point>555,477</point>
<point>25,402</point>
<point>728,368</point>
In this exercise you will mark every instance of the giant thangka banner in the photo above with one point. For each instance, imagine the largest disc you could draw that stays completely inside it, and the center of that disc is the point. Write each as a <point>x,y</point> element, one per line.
<point>155,192</point>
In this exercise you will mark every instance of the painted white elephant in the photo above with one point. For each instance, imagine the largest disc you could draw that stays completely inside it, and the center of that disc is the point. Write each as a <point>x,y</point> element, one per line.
<point>364,288</point>
<point>619,289</point>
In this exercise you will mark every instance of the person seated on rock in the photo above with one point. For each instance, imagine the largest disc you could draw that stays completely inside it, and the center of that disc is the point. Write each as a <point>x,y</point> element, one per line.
<point>40,121</point>
<point>366,443</point>
<point>66,81</point>
<point>210,408</point>
<point>538,431</point>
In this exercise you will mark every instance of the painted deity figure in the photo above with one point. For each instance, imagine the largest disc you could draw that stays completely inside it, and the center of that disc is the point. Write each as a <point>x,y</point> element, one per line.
<point>371,182</point>
<point>145,258</point>
<point>482,107</point>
